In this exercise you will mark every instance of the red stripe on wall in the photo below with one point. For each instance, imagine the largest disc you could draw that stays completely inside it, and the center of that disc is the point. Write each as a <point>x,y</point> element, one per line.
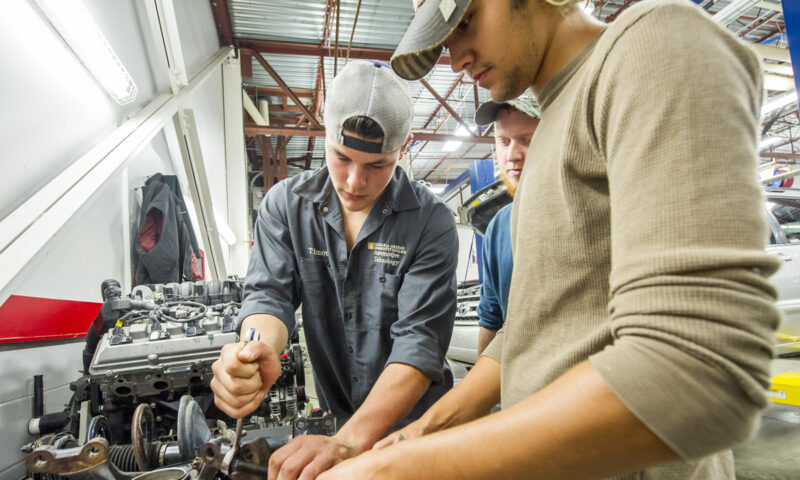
<point>25,319</point>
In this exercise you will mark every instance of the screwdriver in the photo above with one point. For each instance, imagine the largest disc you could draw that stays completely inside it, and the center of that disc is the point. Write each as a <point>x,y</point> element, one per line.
<point>251,334</point>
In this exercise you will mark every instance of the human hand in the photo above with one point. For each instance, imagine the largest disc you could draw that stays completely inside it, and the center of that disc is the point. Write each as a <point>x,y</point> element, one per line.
<point>412,430</point>
<point>306,456</point>
<point>243,375</point>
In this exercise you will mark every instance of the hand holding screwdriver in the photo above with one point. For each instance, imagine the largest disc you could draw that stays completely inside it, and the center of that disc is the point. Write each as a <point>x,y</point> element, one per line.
<point>243,376</point>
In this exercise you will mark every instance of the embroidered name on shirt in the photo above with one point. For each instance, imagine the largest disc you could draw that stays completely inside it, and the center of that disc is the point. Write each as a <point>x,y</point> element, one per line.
<point>387,253</point>
<point>319,253</point>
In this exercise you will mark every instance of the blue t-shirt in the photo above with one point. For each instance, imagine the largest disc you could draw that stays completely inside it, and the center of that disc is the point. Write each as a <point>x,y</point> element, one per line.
<point>497,265</point>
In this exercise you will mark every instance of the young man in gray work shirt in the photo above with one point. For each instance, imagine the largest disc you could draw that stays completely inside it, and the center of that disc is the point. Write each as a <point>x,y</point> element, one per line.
<point>371,256</point>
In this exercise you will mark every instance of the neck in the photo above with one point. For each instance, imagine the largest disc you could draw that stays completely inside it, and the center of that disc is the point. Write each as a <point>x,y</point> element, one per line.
<point>573,31</point>
<point>353,221</point>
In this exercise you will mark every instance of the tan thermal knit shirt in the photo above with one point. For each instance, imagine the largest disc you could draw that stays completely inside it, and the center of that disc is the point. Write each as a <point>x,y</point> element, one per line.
<point>638,235</point>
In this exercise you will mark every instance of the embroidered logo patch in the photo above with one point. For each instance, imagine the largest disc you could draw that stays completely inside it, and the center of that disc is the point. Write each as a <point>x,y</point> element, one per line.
<point>319,253</point>
<point>387,253</point>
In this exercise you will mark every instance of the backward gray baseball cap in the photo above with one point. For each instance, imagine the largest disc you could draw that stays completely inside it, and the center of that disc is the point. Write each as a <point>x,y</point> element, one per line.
<point>421,46</point>
<point>369,89</point>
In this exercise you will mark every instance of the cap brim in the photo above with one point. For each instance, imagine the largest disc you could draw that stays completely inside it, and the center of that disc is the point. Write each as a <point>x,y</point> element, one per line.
<point>421,46</point>
<point>487,113</point>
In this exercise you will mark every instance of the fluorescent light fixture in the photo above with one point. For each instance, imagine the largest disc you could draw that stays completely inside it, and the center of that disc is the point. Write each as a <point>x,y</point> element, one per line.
<point>779,102</point>
<point>769,141</point>
<point>72,22</point>
<point>452,145</point>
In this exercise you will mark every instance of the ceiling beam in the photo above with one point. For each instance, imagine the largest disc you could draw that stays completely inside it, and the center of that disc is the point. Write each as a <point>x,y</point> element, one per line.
<point>446,106</point>
<point>286,89</point>
<point>305,132</point>
<point>453,164</point>
<point>279,92</point>
<point>222,19</point>
<point>313,50</point>
<point>446,96</point>
<point>779,155</point>
<point>441,160</point>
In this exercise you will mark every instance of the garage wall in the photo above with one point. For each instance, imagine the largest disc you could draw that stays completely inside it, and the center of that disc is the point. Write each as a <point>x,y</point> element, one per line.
<point>53,113</point>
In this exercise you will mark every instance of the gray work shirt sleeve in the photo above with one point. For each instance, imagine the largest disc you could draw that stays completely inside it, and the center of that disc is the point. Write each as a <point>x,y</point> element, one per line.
<point>271,285</point>
<point>427,298</point>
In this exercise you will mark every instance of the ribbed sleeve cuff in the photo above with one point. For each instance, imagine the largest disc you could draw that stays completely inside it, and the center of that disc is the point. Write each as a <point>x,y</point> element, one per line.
<point>687,403</point>
<point>495,348</point>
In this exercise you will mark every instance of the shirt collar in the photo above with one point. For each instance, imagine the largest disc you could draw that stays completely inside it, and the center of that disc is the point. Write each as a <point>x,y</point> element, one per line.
<point>399,194</point>
<point>562,77</point>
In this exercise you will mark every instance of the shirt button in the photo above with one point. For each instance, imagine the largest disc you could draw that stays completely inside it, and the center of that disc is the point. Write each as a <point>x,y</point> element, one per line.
<point>351,349</point>
<point>355,379</point>
<point>325,209</point>
<point>349,316</point>
<point>382,279</point>
<point>385,211</point>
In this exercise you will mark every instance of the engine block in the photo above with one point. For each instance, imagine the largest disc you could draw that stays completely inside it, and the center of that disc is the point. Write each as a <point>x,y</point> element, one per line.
<point>145,390</point>
<point>154,354</point>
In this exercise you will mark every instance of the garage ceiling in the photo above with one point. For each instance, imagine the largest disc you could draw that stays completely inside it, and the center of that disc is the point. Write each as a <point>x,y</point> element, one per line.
<point>297,40</point>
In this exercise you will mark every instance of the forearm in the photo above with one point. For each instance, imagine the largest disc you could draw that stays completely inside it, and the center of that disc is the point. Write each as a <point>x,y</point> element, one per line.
<point>485,337</point>
<point>472,398</point>
<point>574,428</point>
<point>392,397</point>
<point>272,330</point>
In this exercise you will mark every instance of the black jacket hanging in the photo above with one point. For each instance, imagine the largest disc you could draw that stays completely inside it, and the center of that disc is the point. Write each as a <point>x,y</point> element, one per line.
<point>166,249</point>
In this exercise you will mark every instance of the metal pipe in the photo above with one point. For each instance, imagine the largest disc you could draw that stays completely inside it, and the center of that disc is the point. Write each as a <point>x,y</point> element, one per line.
<point>352,32</point>
<point>336,45</point>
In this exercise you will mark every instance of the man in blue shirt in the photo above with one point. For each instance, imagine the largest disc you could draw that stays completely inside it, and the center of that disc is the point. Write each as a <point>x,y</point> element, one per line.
<point>371,256</point>
<point>514,124</point>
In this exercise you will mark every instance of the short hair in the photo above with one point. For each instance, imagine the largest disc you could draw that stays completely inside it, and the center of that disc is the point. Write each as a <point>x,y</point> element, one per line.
<point>363,127</point>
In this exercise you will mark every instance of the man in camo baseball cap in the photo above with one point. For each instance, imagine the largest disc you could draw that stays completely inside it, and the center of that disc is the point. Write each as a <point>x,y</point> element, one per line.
<point>525,103</point>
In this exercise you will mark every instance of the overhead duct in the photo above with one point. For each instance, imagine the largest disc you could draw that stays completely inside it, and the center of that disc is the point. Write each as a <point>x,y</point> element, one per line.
<point>734,10</point>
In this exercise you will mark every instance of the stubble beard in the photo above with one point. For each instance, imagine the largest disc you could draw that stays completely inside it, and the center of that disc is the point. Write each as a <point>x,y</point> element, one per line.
<point>512,85</point>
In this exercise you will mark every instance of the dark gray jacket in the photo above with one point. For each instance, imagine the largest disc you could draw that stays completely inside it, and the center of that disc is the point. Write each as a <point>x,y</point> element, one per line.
<point>392,300</point>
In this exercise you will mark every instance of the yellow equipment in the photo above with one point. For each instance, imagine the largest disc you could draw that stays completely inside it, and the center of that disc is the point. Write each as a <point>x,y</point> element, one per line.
<point>785,389</point>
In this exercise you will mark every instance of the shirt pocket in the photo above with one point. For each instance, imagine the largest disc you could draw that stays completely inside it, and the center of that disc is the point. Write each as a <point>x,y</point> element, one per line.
<point>379,299</point>
<point>314,278</point>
